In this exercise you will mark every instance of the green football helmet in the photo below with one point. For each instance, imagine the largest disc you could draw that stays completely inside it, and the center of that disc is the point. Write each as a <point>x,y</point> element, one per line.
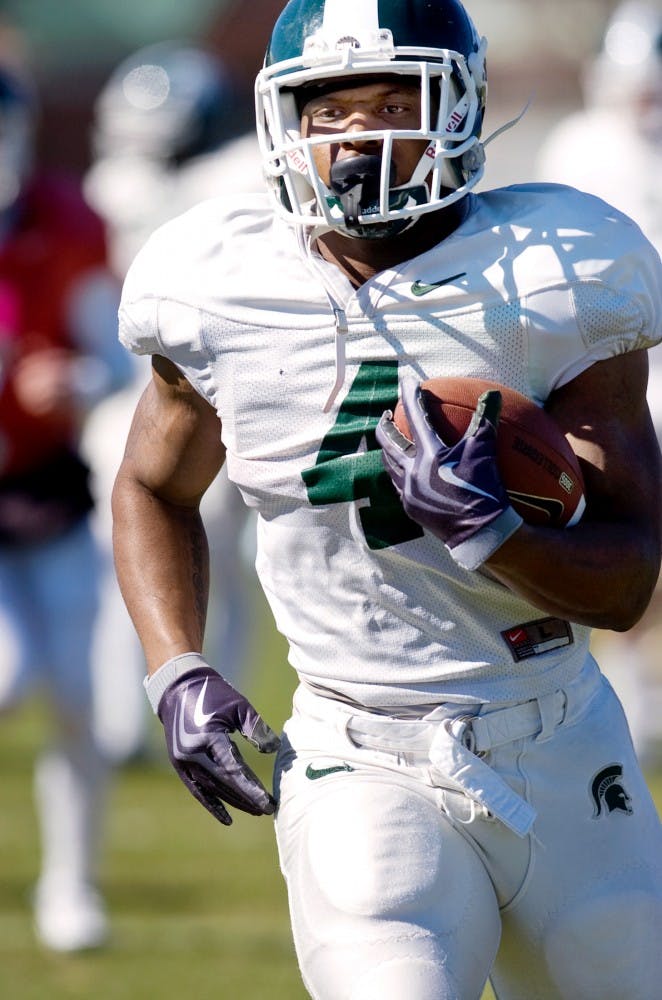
<point>321,41</point>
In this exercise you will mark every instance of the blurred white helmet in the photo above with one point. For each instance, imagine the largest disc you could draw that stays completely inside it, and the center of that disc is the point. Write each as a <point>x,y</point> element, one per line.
<point>628,70</point>
<point>166,102</point>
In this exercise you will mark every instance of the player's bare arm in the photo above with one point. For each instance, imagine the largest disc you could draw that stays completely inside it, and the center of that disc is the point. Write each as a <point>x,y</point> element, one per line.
<point>602,572</point>
<point>173,453</point>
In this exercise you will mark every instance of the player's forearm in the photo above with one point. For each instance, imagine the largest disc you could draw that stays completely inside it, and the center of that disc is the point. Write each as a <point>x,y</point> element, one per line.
<point>162,564</point>
<point>598,575</point>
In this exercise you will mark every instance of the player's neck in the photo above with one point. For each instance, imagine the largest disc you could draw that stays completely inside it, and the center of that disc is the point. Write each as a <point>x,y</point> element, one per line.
<point>361,260</point>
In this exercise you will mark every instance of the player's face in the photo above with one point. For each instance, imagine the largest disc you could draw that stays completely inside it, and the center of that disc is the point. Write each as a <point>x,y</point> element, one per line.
<point>358,109</point>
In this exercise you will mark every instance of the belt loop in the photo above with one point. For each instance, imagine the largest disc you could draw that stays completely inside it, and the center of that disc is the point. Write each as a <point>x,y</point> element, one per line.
<point>461,728</point>
<point>548,717</point>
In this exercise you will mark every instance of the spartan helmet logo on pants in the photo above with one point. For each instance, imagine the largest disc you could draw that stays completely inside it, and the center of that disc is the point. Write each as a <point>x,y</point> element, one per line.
<point>607,790</point>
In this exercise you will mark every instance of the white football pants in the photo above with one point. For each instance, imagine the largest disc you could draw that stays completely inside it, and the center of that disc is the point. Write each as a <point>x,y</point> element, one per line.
<point>404,884</point>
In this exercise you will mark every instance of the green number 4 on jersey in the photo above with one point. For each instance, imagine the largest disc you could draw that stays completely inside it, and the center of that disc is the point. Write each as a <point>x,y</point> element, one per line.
<point>349,464</point>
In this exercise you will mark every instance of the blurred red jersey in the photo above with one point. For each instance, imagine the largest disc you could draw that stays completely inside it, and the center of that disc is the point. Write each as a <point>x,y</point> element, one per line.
<point>53,239</point>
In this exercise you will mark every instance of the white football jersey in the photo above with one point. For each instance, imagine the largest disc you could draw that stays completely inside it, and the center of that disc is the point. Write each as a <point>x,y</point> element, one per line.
<point>537,284</point>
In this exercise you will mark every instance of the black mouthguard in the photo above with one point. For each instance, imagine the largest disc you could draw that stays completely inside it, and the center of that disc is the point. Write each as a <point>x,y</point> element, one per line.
<point>356,183</point>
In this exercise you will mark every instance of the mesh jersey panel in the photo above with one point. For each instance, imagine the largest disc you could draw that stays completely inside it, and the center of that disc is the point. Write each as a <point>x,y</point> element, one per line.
<point>372,608</point>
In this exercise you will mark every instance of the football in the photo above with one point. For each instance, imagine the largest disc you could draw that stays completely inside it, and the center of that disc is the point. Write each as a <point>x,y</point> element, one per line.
<point>537,464</point>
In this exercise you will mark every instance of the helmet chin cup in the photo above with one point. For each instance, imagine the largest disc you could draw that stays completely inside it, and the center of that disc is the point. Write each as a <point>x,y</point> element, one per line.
<point>356,183</point>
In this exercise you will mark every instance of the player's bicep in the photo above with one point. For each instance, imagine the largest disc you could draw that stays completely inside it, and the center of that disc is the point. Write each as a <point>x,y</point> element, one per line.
<point>605,415</point>
<point>174,447</point>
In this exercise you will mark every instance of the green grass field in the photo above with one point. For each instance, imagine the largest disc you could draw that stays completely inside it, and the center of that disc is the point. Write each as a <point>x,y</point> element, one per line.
<point>198,911</point>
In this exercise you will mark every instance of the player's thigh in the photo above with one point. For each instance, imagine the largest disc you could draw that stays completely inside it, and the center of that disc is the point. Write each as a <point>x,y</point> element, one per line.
<point>601,946</point>
<point>387,899</point>
<point>587,923</point>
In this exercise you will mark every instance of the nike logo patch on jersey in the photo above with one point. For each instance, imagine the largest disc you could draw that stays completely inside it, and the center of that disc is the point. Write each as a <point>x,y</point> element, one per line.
<point>537,637</point>
<point>322,772</point>
<point>420,288</point>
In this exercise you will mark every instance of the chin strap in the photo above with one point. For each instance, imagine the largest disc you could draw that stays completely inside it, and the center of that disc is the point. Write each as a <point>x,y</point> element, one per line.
<point>510,124</point>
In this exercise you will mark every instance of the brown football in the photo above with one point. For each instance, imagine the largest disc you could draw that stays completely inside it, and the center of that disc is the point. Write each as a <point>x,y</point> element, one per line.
<point>537,464</point>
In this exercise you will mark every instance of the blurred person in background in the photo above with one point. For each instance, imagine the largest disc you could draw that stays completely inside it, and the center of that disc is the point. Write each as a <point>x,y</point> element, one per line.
<point>161,144</point>
<point>58,358</point>
<point>613,148</point>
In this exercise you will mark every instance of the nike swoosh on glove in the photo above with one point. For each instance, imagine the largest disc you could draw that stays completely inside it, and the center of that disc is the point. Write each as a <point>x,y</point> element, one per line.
<point>199,710</point>
<point>455,491</point>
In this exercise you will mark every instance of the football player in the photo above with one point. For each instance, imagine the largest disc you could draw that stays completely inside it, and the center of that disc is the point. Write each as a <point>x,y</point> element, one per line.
<point>58,343</point>
<point>456,792</point>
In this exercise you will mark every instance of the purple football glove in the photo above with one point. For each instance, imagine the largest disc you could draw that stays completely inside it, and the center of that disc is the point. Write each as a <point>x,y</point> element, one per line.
<point>454,491</point>
<point>199,709</point>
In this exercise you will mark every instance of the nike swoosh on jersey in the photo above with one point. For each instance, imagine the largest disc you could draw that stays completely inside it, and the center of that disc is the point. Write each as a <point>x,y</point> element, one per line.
<point>200,717</point>
<point>321,772</point>
<point>419,288</point>
<point>446,473</point>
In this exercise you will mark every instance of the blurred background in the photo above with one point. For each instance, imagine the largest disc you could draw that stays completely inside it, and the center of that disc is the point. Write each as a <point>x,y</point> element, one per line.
<point>536,50</point>
<point>194,907</point>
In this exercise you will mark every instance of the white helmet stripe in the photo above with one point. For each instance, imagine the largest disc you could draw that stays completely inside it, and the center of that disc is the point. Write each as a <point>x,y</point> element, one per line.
<point>343,17</point>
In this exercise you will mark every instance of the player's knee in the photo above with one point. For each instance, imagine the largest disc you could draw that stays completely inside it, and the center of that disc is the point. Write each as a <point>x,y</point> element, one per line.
<point>609,948</point>
<point>413,978</point>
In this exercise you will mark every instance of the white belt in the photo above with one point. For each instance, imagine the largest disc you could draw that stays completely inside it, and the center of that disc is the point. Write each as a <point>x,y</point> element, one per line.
<point>450,749</point>
<point>450,743</point>
<point>478,733</point>
<point>538,718</point>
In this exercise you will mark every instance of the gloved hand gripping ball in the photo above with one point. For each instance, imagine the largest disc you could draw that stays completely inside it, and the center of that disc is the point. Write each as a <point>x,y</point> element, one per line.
<point>455,491</point>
